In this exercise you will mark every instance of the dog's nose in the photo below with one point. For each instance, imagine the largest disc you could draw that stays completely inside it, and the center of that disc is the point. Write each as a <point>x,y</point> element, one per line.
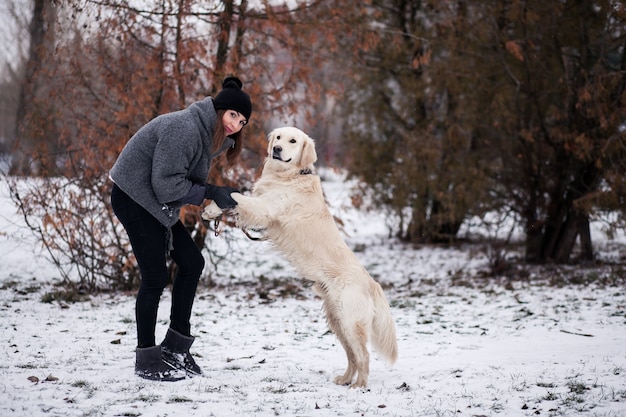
<point>277,148</point>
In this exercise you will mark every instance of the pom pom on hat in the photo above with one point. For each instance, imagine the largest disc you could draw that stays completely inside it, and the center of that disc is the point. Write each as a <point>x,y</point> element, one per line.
<point>233,98</point>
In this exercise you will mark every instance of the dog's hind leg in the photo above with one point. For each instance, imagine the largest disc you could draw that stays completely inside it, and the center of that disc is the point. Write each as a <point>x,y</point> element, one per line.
<point>334,322</point>
<point>356,335</point>
<point>353,338</point>
<point>348,376</point>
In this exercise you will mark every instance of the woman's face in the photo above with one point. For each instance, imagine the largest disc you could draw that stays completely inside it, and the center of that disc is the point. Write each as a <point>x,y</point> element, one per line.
<point>233,122</point>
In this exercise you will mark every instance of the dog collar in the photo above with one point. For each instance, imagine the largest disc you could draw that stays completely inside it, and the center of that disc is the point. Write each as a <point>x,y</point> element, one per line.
<point>305,171</point>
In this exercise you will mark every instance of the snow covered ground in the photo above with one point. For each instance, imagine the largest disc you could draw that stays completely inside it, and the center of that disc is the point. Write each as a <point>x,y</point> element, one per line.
<point>467,346</point>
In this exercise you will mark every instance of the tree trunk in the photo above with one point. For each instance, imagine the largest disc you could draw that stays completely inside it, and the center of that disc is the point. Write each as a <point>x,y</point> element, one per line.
<point>225,23</point>
<point>563,245</point>
<point>561,240</point>
<point>586,246</point>
<point>41,32</point>
<point>565,222</point>
<point>534,238</point>
<point>445,228</point>
<point>554,228</point>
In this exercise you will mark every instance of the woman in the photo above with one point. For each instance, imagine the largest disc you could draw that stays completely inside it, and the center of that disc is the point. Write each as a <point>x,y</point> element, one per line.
<point>163,167</point>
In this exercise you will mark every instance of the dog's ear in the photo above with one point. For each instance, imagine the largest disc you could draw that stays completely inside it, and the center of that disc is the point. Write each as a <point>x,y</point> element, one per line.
<point>270,142</point>
<point>309,155</point>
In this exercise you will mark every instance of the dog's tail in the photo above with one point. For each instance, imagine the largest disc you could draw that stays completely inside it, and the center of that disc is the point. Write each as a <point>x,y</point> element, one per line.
<point>383,327</point>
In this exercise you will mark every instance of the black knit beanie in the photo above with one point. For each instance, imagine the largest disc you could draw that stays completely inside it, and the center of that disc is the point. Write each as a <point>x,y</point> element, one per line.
<point>233,98</point>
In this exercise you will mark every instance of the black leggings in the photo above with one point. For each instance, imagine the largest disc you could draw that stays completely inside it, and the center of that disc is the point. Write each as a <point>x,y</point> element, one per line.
<point>148,238</point>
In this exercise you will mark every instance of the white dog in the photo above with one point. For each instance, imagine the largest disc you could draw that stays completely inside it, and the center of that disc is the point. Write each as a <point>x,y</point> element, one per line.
<point>288,204</point>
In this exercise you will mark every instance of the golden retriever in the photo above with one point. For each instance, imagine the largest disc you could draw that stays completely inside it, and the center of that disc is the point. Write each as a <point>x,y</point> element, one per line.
<point>288,205</point>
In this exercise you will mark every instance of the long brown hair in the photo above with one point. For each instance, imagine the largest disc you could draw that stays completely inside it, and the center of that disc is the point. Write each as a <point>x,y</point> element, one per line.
<point>219,136</point>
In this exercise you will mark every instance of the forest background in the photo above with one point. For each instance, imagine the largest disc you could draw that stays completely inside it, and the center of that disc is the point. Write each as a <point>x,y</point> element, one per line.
<point>512,112</point>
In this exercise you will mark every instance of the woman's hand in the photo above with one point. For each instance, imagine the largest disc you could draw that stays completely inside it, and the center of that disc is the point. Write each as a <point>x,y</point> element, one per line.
<point>221,195</point>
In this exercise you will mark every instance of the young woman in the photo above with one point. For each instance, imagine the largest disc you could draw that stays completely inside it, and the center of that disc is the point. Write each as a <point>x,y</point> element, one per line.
<point>163,167</point>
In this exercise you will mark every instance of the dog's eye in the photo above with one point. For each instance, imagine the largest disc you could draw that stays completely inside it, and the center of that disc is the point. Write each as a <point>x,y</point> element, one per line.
<point>278,137</point>
<point>292,141</point>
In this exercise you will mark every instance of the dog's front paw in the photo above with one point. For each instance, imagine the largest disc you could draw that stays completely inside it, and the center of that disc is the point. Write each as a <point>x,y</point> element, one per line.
<point>235,196</point>
<point>342,380</point>
<point>211,211</point>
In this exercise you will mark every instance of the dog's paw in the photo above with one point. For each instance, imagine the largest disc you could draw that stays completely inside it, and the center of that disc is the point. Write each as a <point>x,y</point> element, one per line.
<point>342,380</point>
<point>359,384</point>
<point>211,211</point>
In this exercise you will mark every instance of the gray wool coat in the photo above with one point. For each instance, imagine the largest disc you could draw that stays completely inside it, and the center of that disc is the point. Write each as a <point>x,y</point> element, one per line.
<point>166,163</point>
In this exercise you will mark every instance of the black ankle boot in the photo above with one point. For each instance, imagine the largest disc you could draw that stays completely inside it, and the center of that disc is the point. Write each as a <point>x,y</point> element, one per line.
<point>149,364</point>
<point>175,351</point>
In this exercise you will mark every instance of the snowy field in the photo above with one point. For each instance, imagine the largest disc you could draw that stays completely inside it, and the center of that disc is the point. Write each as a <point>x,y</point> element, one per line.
<point>468,346</point>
